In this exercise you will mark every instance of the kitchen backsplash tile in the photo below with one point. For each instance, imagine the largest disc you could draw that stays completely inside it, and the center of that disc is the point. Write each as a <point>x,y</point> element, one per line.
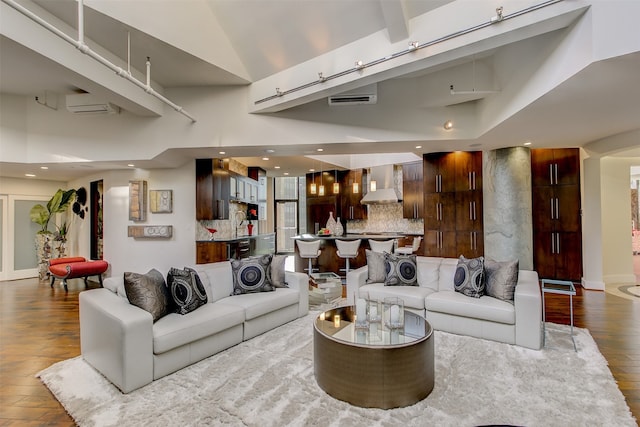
<point>386,218</point>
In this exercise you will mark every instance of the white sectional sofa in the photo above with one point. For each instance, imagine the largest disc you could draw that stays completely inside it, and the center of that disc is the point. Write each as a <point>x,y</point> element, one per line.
<point>122,342</point>
<point>518,322</point>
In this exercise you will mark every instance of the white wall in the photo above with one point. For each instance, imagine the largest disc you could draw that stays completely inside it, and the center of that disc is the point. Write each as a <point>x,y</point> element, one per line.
<point>616,220</point>
<point>140,255</point>
<point>30,187</point>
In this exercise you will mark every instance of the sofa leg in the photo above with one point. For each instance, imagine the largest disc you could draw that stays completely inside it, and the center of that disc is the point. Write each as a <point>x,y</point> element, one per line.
<point>100,280</point>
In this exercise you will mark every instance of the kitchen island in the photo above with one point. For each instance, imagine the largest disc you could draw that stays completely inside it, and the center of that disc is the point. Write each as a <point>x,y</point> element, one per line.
<point>234,247</point>
<point>328,261</point>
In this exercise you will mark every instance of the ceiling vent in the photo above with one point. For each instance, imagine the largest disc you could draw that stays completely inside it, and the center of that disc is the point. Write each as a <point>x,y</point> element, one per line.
<point>85,103</point>
<point>361,96</point>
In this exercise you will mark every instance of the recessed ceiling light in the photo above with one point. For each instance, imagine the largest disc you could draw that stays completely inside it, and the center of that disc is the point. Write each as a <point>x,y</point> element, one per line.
<point>30,175</point>
<point>265,158</point>
<point>448,125</point>
<point>269,150</point>
<point>131,165</point>
<point>44,168</point>
<point>222,152</point>
<point>277,167</point>
<point>418,146</point>
<point>312,170</point>
<point>286,173</point>
<point>528,143</point>
<point>320,149</point>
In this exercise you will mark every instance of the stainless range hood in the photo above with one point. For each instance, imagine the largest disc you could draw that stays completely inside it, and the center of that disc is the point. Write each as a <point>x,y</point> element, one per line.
<point>386,192</point>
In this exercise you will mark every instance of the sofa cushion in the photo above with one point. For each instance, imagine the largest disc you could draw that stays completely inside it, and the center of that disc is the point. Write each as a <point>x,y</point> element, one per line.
<point>376,266</point>
<point>428,271</point>
<point>276,271</point>
<point>446,273</point>
<point>413,296</point>
<point>258,304</point>
<point>187,291</point>
<point>148,291</point>
<point>501,279</point>
<point>469,277</point>
<point>250,275</point>
<point>483,308</point>
<point>175,330</point>
<point>217,278</point>
<point>401,270</point>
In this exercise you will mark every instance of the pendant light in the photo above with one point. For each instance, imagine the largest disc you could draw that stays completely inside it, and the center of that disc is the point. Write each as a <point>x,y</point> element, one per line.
<point>355,188</point>
<point>336,185</point>
<point>313,188</point>
<point>321,188</point>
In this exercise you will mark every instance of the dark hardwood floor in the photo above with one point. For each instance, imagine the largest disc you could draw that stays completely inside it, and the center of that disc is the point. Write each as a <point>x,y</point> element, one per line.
<point>39,326</point>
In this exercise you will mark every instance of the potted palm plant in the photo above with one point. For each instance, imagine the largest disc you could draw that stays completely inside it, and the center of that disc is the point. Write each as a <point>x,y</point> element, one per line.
<point>41,215</point>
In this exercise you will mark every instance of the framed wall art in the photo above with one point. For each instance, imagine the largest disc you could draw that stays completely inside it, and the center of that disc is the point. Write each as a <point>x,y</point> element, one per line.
<point>161,201</point>
<point>137,200</point>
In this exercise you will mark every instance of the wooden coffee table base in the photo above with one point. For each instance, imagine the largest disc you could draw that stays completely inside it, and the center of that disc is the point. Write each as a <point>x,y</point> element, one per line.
<point>374,377</point>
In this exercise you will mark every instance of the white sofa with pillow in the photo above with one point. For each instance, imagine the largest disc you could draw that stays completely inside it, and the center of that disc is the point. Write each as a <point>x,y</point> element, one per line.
<point>512,315</point>
<point>125,344</point>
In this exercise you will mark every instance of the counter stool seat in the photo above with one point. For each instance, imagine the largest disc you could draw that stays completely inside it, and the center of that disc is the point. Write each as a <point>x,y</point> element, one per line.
<point>310,250</point>
<point>347,249</point>
<point>408,250</point>
<point>382,246</point>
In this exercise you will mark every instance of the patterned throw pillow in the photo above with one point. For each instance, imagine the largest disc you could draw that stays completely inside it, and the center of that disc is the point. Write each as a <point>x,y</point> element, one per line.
<point>376,267</point>
<point>276,271</point>
<point>469,277</point>
<point>149,292</point>
<point>501,279</point>
<point>251,275</point>
<point>401,270</point>
<point>186,289</point>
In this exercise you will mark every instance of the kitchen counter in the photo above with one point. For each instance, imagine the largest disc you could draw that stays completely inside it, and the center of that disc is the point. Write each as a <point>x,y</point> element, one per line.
<point>237,238</point>
<point>234,247</point>
<point>351,236</point>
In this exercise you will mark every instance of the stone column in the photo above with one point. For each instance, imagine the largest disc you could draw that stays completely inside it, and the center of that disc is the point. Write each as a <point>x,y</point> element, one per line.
<point>508,228</point>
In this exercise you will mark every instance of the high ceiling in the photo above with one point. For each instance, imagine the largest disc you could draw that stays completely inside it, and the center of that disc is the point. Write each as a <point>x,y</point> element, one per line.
<point>272,36</point>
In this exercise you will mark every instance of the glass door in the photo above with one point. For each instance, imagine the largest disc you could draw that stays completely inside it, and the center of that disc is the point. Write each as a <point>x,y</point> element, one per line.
<point>286,225</point>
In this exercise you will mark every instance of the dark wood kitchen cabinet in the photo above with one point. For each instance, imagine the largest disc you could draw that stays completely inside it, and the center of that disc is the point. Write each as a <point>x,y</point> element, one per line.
<point>413,190</point>
<point>453,204</point>
<point>350,206</point>
<point>212,189</point>
<point>557,223</point>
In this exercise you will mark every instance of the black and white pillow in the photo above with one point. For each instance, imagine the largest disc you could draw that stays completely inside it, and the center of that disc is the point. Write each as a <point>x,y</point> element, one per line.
<point>187,290</point>
<point>251,275</point>
<point>402,270</point>
<point>469,277</point>
<point>149,292</point>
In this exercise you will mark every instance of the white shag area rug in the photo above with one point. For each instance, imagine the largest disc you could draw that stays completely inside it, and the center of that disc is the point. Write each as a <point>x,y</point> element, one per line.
<point>269,381</point>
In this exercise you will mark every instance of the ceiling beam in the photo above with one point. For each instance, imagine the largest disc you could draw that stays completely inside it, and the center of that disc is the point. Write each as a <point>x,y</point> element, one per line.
<point>395,17</point>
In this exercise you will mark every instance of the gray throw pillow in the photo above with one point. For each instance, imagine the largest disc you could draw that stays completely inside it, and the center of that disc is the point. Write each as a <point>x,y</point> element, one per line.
<point>402,270</point>
<point>469,277</point>
<point>187,290</point>
<point>276,271</point>
<point>501,279</point>
<point>149,292</point>
<point>251,275</point>
<point>375,267</point>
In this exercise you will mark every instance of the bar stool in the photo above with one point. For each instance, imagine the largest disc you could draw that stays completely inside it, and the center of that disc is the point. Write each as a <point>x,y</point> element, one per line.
<point>347,249</point>
<point>381,246</point>
<point>408,250</point>
<point>310,250</point>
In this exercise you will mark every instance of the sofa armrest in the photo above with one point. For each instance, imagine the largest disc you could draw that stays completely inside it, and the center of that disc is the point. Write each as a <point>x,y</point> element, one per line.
<point>116,338</point>
<point>299,281</point>
<point>355,279</point>
<point>528,307</point>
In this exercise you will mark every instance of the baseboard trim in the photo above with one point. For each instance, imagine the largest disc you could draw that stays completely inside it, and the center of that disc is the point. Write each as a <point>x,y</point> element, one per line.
<point>594,285</point>
<point>622,279</point>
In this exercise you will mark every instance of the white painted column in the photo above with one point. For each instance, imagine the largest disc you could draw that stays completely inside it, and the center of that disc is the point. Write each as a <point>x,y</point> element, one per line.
<point>592,225</point>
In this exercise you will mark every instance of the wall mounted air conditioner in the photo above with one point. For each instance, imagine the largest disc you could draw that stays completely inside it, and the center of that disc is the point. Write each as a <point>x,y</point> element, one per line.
<point>361,96</point>
<point>85,103</point>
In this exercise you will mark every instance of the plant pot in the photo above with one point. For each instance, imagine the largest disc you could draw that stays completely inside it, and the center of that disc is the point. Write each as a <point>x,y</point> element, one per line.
<point>44,250</point>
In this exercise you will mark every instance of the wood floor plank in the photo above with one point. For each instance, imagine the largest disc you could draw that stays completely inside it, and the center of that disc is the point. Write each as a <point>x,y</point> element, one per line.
<point>39,326</point>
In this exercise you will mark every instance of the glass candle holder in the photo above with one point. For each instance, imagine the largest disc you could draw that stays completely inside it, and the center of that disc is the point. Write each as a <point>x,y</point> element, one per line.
<point>394,312</point>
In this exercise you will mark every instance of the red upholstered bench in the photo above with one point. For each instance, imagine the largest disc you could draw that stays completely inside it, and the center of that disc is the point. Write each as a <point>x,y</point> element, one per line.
<point>74,267</point>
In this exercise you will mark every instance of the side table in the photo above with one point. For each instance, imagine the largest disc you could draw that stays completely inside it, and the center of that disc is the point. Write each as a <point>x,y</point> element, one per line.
<point>562,287</point>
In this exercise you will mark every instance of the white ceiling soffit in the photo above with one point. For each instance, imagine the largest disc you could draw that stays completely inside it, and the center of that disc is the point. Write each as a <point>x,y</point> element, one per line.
<point>301,84</point>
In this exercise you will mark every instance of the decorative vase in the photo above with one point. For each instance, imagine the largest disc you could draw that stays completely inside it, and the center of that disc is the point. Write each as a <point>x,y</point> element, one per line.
<point>331,223</point>
<point>339,228</point>
<point>250,229</point>
<point>43,254</point>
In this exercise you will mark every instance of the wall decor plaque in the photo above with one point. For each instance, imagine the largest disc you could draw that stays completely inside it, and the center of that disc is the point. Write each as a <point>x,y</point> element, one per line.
<point>137,200</point>
<point>161,201</point>
<point>150,231</point>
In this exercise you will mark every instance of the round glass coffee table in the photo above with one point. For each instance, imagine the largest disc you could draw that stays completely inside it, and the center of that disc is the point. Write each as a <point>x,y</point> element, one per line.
<point>374,366</point>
